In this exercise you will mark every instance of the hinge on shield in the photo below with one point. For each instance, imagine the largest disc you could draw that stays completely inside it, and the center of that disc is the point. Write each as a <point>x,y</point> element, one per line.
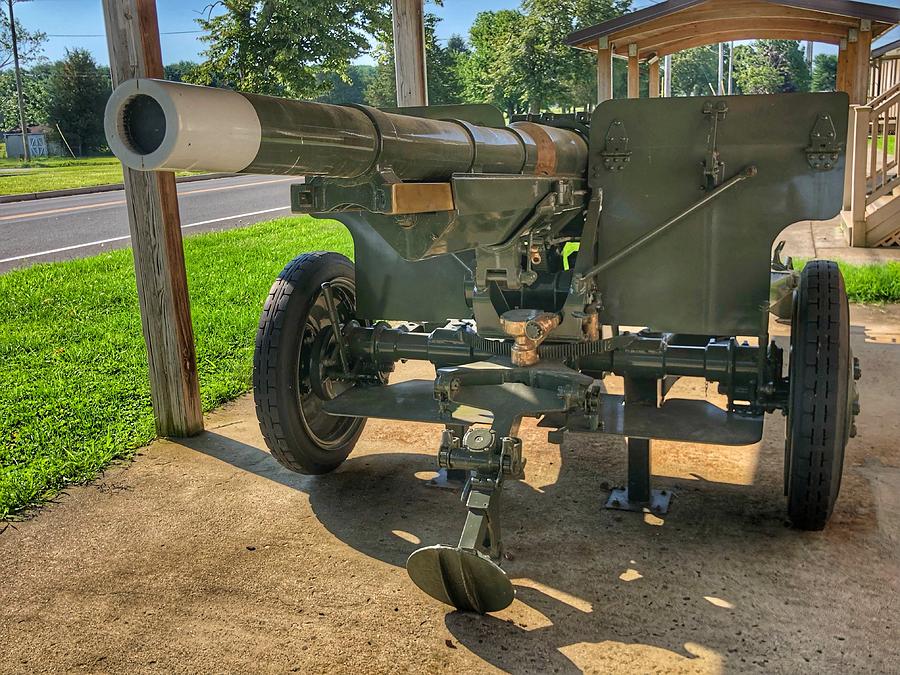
<point>616,153</point>
<point>824,150</point>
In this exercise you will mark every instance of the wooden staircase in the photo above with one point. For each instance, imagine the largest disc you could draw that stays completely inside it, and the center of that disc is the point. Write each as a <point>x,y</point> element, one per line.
<point>871,213</point>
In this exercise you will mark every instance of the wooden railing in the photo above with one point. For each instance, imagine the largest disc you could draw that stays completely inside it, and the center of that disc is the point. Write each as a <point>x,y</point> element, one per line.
<point>873,160</point>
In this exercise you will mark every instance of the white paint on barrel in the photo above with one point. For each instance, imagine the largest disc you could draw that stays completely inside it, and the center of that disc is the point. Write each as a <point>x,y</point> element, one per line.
<point>194,119</point>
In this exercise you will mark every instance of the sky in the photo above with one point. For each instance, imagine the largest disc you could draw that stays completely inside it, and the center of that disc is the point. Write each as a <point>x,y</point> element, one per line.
<point>79,23</point>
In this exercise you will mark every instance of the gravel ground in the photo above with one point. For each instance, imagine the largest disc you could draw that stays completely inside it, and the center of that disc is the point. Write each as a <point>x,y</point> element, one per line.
<point>206,556</point>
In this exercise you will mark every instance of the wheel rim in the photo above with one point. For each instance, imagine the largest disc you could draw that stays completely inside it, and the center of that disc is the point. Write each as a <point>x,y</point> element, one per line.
<point>330,432</point>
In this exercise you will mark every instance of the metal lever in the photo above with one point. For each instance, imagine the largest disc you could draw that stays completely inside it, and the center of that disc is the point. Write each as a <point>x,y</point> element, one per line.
<point>749,172</point>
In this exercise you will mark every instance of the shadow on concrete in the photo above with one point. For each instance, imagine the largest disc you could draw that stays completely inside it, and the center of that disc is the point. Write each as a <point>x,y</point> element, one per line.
<point>586,576</point>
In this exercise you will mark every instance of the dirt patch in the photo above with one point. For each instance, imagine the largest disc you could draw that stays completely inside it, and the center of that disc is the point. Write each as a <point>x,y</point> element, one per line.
<point>207,556</point>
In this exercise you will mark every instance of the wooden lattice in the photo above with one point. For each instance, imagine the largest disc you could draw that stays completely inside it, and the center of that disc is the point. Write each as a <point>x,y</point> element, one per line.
<point>890,241</point>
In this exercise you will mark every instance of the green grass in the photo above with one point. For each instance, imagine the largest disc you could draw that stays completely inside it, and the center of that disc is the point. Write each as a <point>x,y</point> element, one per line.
<point>74,393</point>
<point>892,141</point>
<point>59,173</point>
<point>872,283</point>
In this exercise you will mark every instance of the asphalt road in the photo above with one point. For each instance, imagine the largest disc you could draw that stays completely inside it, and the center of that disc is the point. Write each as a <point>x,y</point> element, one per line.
<point>63,228</point>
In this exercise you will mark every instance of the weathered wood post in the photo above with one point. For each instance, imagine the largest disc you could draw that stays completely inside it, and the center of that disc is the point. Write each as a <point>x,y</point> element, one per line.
<point>604,70</point>
<point>408,17</point>
<point>653,69</point>
<point>634,72</point>
<point>132,33</point>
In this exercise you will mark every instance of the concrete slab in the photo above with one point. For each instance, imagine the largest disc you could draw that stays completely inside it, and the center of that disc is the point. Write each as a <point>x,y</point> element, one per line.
<point>824,239</point>
<point>207,556</point>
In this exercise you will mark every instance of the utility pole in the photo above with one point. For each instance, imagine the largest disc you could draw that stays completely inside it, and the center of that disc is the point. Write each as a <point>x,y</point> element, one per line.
<point>667,79</point>
<point>731,68</point>
<point>721,83</point>
<point>26,155</point>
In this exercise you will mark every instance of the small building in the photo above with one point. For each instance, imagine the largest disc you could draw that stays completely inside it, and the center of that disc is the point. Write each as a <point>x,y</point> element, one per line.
<point>39,143</point>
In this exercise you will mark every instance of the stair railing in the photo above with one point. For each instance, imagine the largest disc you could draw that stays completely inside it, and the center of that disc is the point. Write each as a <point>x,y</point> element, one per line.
<point>873,157</point>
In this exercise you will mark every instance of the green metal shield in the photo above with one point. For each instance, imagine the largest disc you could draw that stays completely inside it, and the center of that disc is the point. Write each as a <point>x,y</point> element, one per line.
<point>709,273</point>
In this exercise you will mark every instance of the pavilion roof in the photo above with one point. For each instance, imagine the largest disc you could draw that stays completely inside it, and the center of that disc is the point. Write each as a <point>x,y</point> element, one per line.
<point>675,25</point>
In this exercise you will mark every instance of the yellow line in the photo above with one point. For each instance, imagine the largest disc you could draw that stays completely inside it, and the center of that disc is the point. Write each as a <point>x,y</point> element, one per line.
<point>50,212</point>
<point>100,205</point>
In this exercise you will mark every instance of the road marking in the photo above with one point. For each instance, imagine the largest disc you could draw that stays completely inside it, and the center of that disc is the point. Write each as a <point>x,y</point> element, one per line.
<point>83,207</point>
<point>113,239</point>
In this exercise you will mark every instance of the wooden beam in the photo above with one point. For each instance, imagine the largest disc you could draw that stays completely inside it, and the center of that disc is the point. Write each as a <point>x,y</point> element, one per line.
<point>409,52</point>
<point>634,72</point>
<point>671,47</point>
<point>604,71</point>
<point>654,78</point>
<point>132,34</point>
<point>726,30</point>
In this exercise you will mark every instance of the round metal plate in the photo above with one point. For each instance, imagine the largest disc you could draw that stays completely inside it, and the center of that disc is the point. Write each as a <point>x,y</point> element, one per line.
<point>465,579</point>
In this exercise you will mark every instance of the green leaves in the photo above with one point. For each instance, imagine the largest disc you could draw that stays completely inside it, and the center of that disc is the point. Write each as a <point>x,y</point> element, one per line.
<point>281,47</point>
<point>30,43</point>
<point>824,76</point>
<point>771,67</point>
<point>78,90</point>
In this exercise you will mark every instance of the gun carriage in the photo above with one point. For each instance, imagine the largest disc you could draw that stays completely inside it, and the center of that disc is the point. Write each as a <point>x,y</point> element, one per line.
<point>528,262</point>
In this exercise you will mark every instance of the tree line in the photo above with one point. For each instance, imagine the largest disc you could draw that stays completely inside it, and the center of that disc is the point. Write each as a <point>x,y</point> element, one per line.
<point>515,59</point>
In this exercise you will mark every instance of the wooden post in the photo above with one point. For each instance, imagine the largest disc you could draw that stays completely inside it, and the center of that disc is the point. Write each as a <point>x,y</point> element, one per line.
<point>132,33</point>
<point>842,67</point>
<point>853,56</point>
<point>654,78</point>
<point>634,72</point>
<point>858,187</point>
<point>860,67</point>
<point>850,154</point>
<point>604,71</point>
<point>409,52</point>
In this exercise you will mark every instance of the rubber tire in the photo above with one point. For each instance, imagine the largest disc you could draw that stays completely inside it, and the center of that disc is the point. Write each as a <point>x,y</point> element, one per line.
<point>819,411</point>
<point>276,362</point>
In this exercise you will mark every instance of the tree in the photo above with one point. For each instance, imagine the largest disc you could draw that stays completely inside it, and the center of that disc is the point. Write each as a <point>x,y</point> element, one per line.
<point>30,43</point>
<point>281,47</point>
<point>489,72</point>
<point>771,67</point>
<point>694,71</point>
<point>180,71</point>
<point>342,91</point>
<point>78,90</point>
<point>34,90</point>
<point>824,76</point>
<point>520,59</point>
<point>444,82</point>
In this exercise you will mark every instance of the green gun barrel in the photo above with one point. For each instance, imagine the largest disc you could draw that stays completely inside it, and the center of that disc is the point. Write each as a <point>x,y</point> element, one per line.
<point>161,125</point>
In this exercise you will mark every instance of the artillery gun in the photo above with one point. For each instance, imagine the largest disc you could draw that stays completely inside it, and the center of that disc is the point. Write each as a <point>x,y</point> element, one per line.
<point>528,262</point>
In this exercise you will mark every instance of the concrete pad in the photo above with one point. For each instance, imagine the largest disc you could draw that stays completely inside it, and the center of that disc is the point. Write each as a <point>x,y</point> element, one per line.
<point>824,239</point>
<point>206,556</point>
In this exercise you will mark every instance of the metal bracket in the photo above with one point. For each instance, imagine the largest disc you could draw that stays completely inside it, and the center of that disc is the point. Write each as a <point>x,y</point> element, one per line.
<point>713,167</point>
<point>616,153</point>
<point>824,150</point>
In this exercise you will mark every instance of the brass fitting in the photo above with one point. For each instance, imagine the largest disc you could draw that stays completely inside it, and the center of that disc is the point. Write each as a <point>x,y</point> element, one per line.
<point>529,328</point>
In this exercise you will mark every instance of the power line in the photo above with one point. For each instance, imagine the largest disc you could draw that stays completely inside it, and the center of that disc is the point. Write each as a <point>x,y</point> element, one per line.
<point>85,35</point>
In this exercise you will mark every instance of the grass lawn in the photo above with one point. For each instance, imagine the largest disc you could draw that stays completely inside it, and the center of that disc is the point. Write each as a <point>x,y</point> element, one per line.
<point>74,393</point>
<point>59,173</point>
<point>872,283</point>
<point>892,142</point>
